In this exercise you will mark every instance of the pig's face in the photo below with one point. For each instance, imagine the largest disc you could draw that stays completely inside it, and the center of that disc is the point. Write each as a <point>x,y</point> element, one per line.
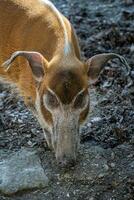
<point>62,101</point>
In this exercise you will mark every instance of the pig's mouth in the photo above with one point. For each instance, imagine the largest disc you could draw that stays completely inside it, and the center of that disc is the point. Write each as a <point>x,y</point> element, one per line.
<point>66,146</point>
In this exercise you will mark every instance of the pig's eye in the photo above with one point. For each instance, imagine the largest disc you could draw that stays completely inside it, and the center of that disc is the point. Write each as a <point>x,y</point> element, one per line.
<point>50,100</point>
<point>80,101</point>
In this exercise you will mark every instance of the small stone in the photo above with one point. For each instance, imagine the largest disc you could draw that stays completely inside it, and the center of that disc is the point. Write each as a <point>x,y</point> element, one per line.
<point>95,119</point>
<point>112,165</point>
<point>101,175</point>
<point>132,165</point>
<point>28,136</point>
<point>132,48</point>
<point>112,155</point>
<point>68,195</point>
<point>89,125</point>
<point>106,167</point>
<point>30,143</point>
<point>20,121</point>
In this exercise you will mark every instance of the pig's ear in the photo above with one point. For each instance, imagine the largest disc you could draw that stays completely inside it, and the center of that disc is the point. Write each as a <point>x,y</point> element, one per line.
<point>96,64</point>
<point>37,63</point>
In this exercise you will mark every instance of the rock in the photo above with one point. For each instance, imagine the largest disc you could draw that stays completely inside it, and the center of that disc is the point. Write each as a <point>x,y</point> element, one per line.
<point>21,171</point>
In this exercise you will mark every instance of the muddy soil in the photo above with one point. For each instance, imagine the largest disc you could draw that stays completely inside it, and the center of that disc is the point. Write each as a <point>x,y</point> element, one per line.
<point>102,26</point>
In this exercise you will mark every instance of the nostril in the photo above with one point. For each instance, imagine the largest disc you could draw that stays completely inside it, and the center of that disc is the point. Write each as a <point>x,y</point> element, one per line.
<point>67,163</point>
<point>71,162</point>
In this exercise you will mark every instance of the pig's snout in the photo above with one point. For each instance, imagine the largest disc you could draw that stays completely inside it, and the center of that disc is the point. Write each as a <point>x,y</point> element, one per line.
<point>66,162</point>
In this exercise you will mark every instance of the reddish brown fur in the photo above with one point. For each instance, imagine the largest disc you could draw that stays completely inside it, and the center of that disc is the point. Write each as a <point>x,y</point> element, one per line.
<point>47,69</point>
<point>28,25</point>
<point>66,80</point>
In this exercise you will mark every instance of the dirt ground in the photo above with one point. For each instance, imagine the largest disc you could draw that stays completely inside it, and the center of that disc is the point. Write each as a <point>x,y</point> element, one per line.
<point>102,26</point>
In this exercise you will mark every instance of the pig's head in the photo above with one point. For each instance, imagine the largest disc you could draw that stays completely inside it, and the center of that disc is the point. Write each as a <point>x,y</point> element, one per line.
<point>62,103</point>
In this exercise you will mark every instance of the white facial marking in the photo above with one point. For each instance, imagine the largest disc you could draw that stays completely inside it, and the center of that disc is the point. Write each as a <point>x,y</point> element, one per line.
<point>45,99</point>
<point>53,93</point>
<point>67,46</point>
<point>78,94</point>
<point>65,120</point>
<point>40,115</point>
<point>66,130</point>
